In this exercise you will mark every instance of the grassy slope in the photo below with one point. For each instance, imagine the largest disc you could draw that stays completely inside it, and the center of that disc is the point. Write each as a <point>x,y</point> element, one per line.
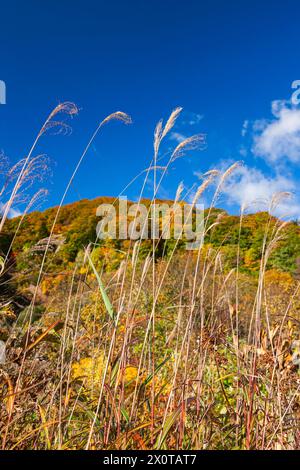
<point>198,354</point>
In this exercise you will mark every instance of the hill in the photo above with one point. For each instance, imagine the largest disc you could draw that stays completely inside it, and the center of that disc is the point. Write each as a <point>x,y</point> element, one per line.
<point>149,345</point>
<point>76,225</point>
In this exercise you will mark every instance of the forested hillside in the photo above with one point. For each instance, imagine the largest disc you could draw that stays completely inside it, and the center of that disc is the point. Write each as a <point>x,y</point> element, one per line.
<point>149,345</point>
<point>76,228</point>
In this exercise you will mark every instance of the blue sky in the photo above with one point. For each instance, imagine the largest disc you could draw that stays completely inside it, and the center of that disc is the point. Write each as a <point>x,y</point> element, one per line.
<point>224,62</point>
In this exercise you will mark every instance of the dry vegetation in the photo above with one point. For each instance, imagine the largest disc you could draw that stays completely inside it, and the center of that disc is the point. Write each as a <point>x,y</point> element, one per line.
<point>144,345</point>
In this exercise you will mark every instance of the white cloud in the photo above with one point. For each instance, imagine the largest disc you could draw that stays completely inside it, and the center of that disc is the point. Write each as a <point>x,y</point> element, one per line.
<point>250,187</point>
<point>245,128</point>
<point>243,151</point>
<point>12,212</point>
<point>191,118</point>
<point>178,137</point>
<point>278,140</point>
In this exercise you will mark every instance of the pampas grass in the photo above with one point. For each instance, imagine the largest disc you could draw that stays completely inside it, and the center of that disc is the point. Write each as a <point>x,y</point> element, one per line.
<point>174,352</point>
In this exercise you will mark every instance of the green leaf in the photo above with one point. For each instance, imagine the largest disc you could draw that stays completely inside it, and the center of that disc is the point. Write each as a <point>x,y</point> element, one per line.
<point>168,424</point>
<point>105,298</point>
<point>114,371</point>
<point>150,377</point>
<point>2,264</point>
<point>125,414</point>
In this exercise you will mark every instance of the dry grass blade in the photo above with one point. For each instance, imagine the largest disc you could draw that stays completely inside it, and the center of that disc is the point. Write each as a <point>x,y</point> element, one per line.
<point>43,335</point>
<point>33,432</point>
<point>157,137</point>
<point>118,116</point>
<point>171,122</point>
<point>45,426</point>
<point>161,348</point>
<point>179,191</point>
<point>190,143</point>
<point>10,400</point>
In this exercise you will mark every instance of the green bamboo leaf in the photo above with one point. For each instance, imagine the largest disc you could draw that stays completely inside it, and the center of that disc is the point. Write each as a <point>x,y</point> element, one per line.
<point>2,264</point>
<point>150,377</point>
<point>114,371</point>
<point>170,421</point>
<point>125,415</point>
<point>105,298</point>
